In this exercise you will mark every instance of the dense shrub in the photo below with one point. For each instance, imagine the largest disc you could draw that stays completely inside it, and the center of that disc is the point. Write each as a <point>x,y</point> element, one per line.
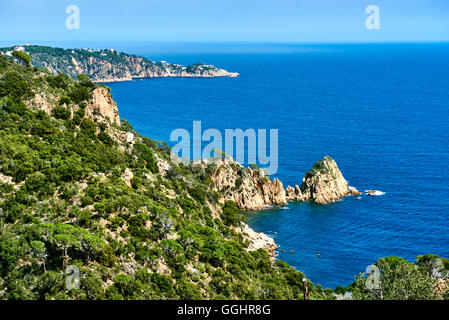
<point>231,214</point>
<point>14,85</point>
<point>60,112</point>
<point>79,94</point>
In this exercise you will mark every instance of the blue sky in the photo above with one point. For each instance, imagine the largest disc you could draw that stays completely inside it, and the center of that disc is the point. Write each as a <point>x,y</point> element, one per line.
<point>225,20</point>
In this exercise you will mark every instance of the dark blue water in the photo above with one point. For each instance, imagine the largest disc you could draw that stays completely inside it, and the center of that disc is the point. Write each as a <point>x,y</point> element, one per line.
<point>381,111</point>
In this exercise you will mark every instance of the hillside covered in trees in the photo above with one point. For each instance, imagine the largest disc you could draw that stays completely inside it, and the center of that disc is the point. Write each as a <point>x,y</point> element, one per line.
<point>81,190</point>
<point>109,65</point>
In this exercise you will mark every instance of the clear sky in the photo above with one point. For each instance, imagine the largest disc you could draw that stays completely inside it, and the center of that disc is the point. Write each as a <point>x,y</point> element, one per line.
<point>224,20</point>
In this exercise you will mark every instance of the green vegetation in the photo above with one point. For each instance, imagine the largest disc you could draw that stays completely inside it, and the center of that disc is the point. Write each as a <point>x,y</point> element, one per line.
<point>22,57</point>
<point>321,167</point>
<point>74,193</point>
<point>199,68</point>
<point>231,214</point>
<point>394,278</point>
<point>65,201</point>
<point>98,64</point>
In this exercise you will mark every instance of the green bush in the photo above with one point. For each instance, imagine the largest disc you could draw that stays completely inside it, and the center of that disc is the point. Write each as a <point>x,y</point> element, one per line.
<point>105,138</point>
<point>23,57</point>
<point>231,214</point>
<point>80,94</point>
<point>60,81</point>
<point>14,85</point>
<point>60,112</point>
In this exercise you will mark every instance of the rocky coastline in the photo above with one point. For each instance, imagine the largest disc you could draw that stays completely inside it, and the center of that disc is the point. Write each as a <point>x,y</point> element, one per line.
<point>249,188</point>
<point>110,65</point>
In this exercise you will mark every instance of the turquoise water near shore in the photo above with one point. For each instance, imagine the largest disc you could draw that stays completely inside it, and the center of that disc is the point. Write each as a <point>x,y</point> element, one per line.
<point>380,110</point>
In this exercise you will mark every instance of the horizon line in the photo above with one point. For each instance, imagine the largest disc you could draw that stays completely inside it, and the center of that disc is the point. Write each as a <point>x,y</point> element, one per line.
<point>36,42</point>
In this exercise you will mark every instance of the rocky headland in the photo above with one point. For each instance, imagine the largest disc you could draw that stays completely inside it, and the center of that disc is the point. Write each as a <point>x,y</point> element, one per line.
<point>109,65</point>
<point>251,189</point>
<point>322,184</point>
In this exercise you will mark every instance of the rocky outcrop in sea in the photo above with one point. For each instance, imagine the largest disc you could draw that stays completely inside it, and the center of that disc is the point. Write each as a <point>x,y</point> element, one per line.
<point>249,188</point>
<point>322,184</point>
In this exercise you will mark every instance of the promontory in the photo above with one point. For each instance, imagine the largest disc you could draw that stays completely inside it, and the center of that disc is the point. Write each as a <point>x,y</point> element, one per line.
<point>109,65</point>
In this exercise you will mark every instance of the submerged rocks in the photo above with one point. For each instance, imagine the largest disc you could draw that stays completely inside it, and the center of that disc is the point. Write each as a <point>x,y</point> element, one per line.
<point>322,184</point>
<point>353,191</point>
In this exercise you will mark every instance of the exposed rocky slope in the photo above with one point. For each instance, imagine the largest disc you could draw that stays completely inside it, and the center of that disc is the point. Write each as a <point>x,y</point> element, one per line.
<point>102,103</point>
<point>259,240</point>
<point>322,184</point>
<point>249,188</point>
<point>110,65</point>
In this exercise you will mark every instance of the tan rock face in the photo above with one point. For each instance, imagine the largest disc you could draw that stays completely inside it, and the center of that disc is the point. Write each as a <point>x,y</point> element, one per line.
<point>252,190</point>
<point>259,240</point>
<point>294,194</point>
<point>249,189</point>
<point>103,103</point>
<point>128,176</point>
<point>324,182</point>
<point>40,102</point>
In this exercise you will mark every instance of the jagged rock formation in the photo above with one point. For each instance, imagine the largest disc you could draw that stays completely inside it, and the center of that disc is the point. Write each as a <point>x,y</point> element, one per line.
<point>110,65</point>
<point>294,194</point>
<point>103,104</point>
<point>354,191</point>
<point>322,184</point>
<point>249,188</point>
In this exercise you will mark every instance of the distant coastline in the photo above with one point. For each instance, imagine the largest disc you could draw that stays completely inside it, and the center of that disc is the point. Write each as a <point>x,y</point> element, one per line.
<point>109,65</point>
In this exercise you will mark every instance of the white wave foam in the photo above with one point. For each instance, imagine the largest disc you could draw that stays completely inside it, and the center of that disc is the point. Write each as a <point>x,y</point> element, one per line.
<point>375,193</point>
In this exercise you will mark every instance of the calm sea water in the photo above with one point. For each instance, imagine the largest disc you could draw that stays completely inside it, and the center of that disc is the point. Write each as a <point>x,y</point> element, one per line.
<point>380,110</point>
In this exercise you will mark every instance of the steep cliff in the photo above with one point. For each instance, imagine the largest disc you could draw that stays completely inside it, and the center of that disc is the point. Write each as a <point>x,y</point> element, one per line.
<point>103,104</point>
<point>249,188</point>
<point>110,65</point>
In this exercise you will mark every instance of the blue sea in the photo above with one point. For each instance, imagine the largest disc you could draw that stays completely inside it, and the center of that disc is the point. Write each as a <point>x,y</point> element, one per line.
<point>380,110</point>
